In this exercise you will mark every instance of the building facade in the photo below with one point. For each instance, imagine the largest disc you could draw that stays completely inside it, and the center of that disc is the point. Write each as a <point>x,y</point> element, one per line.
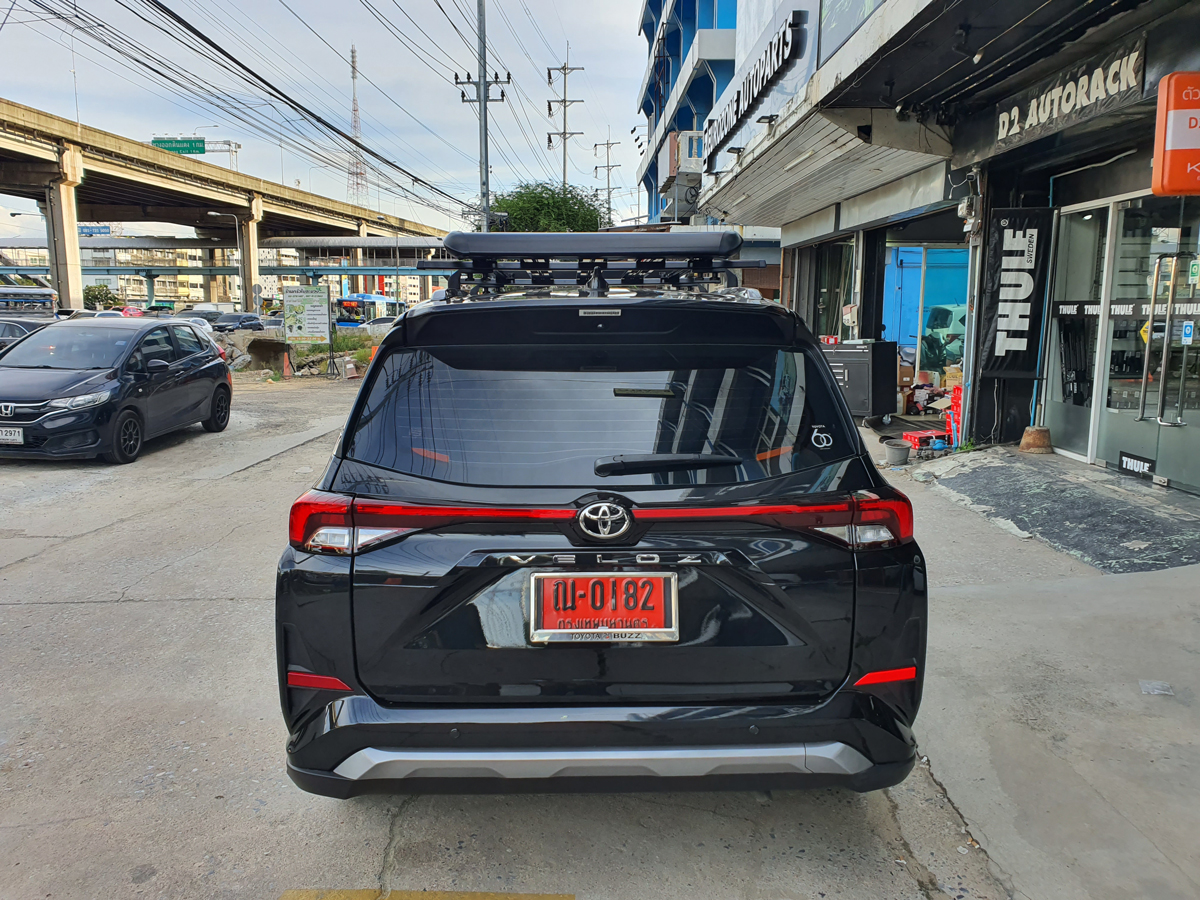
<point>692,54</point>
<point>972,182</point>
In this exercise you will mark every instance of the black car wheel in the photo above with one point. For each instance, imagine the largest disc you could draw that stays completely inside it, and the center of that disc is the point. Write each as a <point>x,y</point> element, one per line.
<point>218,412</point>
<point>127,438</point>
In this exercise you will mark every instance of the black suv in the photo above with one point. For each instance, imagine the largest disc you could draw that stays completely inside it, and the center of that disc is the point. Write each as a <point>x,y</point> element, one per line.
<point>621,534</point>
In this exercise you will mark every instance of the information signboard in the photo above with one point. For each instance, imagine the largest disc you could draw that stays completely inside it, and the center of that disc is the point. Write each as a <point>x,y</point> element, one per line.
<point>306,313</point>
<point>1177,136</point>
<point>193,145</point>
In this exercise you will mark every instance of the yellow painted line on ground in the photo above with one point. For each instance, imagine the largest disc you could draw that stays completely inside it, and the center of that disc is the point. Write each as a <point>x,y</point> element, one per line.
<point>415,895</point>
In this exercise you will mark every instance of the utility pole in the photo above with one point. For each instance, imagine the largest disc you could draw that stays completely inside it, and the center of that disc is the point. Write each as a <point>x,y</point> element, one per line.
<point>483,96</point>
<point>608,166</point>
<point>565,69</point>
<point>356,187</point>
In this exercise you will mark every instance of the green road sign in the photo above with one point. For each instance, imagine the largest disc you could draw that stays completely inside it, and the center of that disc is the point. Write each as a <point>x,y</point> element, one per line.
<point>180,145</point>
<point>1194,272</point>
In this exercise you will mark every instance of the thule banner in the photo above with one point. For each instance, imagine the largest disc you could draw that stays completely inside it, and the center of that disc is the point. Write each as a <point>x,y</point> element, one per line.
<point>1016,267</point>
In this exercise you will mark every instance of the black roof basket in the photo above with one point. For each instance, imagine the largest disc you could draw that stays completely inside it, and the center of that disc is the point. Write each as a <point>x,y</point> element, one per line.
<point>591,260</point>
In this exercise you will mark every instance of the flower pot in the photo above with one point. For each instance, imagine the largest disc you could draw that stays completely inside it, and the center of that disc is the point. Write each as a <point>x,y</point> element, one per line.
<point>897,452</point>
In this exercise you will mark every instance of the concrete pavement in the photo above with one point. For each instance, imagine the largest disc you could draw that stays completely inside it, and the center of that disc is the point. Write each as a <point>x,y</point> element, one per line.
<point>1077,784</point>
<point>141,748</point>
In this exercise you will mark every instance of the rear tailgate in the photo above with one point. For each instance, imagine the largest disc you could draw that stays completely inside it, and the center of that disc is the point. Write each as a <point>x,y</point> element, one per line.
<point>763,613</point>
<point>513,407</point>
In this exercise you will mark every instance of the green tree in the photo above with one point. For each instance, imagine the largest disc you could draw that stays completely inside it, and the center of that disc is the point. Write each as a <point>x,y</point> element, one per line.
<point>98,296</point>
<point>549,206</point>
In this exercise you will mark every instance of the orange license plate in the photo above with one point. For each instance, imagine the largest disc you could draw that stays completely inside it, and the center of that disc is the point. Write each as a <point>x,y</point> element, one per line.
<point>604,606</point>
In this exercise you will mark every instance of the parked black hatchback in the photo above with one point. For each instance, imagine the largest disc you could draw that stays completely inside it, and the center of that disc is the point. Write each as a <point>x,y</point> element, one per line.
<point>621,536</point>
<point>81,388</point>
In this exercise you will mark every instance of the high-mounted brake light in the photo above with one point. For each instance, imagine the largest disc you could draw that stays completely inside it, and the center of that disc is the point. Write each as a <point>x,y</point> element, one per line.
<point>316,682</point>
<point>888,676</point>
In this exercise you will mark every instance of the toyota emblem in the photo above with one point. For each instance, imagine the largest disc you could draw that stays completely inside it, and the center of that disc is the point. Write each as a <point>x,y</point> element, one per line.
<point>7,409</point>
<point>604,521</point>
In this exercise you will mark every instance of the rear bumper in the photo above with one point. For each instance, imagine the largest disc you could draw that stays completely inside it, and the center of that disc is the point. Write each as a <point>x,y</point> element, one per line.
<point>609,780</point>
<point>360,747</point>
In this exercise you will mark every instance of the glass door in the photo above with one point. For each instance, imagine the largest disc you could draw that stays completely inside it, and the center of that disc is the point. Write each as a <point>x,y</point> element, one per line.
<point>1151,421</point>
<point>1074,328</point>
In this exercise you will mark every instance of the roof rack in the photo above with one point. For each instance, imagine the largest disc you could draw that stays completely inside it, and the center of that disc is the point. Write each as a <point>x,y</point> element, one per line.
<point>591,261</point>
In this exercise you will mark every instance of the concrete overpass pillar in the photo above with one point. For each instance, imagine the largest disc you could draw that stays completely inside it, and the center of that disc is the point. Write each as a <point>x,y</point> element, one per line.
<point>62,228</point>
<point>251,286</point>
<point>208,282</point>
<point>357,258</point>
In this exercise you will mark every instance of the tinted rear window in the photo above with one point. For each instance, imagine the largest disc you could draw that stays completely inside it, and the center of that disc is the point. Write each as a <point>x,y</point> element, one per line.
<point>510,417</point>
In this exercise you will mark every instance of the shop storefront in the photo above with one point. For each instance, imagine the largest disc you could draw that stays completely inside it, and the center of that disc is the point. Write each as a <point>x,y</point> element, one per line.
<point>903,281</point>
<point>1109,397</point>
<point>1117,379</point>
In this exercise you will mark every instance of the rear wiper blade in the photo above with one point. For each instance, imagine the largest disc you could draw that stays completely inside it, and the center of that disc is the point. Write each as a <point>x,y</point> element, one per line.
<point>662,462</point>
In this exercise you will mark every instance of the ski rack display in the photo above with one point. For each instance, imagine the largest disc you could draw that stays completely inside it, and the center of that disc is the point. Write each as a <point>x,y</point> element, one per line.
<point>592,262</point>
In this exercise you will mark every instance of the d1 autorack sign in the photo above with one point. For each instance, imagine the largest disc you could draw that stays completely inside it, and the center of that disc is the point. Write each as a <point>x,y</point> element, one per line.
<point>1177,136</point>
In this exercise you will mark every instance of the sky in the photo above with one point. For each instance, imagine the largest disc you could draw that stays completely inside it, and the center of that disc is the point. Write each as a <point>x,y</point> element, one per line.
<point>410,108</point>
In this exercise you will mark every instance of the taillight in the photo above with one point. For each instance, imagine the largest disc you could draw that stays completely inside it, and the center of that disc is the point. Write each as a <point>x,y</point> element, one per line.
<point>320,523</point>
<point>865,520</point>
<point>331,523</point>
<point>882,520</point>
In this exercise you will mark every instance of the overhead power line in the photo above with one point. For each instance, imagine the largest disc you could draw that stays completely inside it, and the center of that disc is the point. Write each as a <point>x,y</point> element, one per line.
<point>114,40</point>
<point>287,99</point>
<point>483,96</point>
<point>564,103</point>
<point>608,166</point>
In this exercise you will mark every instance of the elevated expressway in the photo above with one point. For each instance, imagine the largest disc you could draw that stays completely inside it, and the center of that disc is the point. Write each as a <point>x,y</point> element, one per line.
<point>78,173</point>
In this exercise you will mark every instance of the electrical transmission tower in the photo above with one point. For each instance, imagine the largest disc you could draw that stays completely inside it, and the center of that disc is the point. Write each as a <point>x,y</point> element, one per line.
<point>564,136</point>
<point>356,174</point>
<point>483,96</point>
<point>608,166</point>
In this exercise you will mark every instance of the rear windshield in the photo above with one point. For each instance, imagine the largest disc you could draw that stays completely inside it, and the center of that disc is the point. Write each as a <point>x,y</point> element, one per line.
<point>230,317</point>
<point>744,415</point>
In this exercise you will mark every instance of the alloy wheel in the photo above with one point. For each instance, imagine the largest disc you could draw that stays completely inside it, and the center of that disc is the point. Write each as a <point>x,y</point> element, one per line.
<point>130,437</point>
<point>222,410</point>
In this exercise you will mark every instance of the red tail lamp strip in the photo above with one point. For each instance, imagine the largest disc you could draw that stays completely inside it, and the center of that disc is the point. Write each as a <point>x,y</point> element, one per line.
<point>743,512</point>
<point>888,676</point>
<point>372,509</point>
<point>316,682</point>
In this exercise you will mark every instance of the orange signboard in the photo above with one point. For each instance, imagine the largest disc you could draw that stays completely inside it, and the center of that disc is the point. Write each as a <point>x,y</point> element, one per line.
<point>1177,135</point>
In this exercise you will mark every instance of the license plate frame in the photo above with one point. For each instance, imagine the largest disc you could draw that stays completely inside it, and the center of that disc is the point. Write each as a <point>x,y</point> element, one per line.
<point>668,633</point>
<point>13,437</point>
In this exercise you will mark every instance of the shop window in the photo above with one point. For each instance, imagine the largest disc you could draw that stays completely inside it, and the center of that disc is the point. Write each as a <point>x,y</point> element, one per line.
<point>834,288</point>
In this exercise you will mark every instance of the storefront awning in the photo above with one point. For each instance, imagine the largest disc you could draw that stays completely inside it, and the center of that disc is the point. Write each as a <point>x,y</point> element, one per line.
<point>826,156</point>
